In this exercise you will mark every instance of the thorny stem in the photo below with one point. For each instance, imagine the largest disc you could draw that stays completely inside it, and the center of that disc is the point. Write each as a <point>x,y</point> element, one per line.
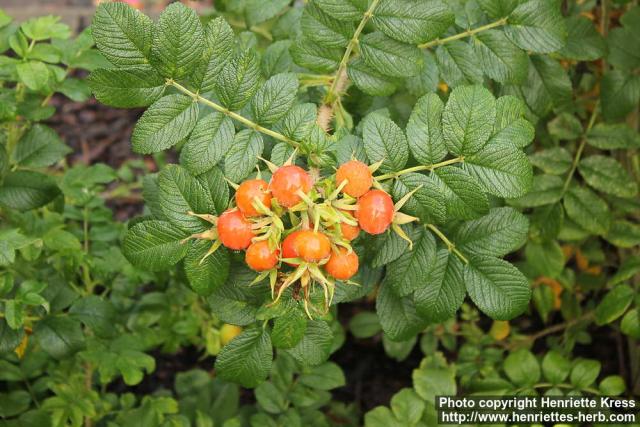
<point>420,168</point>
<point>340,79</point>
<point>560,327</point>
<point>464,34</point>
<point>583,142</point>
<point>450,245</point>
<point>233,115</point>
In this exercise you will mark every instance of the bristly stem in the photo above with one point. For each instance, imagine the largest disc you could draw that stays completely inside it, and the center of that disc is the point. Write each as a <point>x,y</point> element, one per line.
<point>583,142</point>
<point>500,22</point>
<point>420,168</point>
<point>333,95</point>
<point>450,245</point>
<point>233,115</point>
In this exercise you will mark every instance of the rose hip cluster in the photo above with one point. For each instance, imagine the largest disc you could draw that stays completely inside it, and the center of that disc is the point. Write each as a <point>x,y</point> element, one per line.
<point>297,231</point>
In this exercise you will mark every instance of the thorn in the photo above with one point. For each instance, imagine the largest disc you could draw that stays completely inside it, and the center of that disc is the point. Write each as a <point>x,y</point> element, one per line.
<point>272,166</point>
<point>291,158</point>
<point>402,235</point>
<point>212,219</point>
<point>375,166</point>
<point>405,198</point>
<point>211,250</point>
<point>231,183</point>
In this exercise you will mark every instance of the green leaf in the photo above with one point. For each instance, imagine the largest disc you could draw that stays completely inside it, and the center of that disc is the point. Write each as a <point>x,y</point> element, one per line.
<point>364,324</point>
<point>235,302</point>
<point>75,89</point>
<point>614,304</point>
<point>511,127</point>
<point>458,64</point>
<point>522,367</point>
<point>407,406</point>
<point>369,80</point>
<point>584,42</point>
<point>619,93</point>
<point>214,182</point>
<point>537,26</point>
<point>409,272</point>
<point>380,416</point>
<point>384,140</point>
<point>239,80</point>
<point>555,367</point>
<point>258,11</point>
<point>309,54</point>
<point>427,203</point>
<point>397,315</point>
<point>619,40</point>
<point>206,274</point>
<point>554,161</point>
<point>247,359</point>
<point>565,126</point>
<point>217,51</point>
<point>501,60</point>
<point>343,10</point>
<point>545,259</point>
<point>607,175</point>
<point>623,234</point>
<point>464,197</point>
<point>390,57</point>
<point>498,288</point>
<point>298,122</point>
<point>97,313</point>
<point>626,270</point>
<point>4,19</point>
<point>613,136</point>
<point>441,294</point>
<point>39,147</point>
<point>613,385</point>
<point>181,193</point>
<point>630,324</point>
<point>413,22</point>
<point>315,346</point>
<point>275,98</point>
<point>467,120</point>
<point>136,86</point>
<point>323,29</point>
<point>276,58</point>
<point>209,142</point>
<point>501,169</point>
<point>323,377</point>
<point>154,245</point>
<point>546,190</point>
<point>168,121</point>
<point>388,247</point>
<point>122,34</point>
<point>25,190</point>
<point>178,41</point>
<point>433,379</point>
<point>424,130</point>
<point>288,330</point>
<point>588,210</point>
<point>502,231</point>
<point>547,86</point>
<point>584,373</point>
<point>59,336</point>
<point>242,157</point>
<point>45,27</point>
<point>9,338</point>
<point>270,398</point>
<point>33,74</point>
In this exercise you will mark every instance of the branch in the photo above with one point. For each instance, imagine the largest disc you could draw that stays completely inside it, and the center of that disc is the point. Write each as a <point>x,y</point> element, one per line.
<point>464,34</point>
<point>233,115</point>
<point>583,142</point>
<point>384,177</point>
<point>450,245</point>
<point>341,78</point>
